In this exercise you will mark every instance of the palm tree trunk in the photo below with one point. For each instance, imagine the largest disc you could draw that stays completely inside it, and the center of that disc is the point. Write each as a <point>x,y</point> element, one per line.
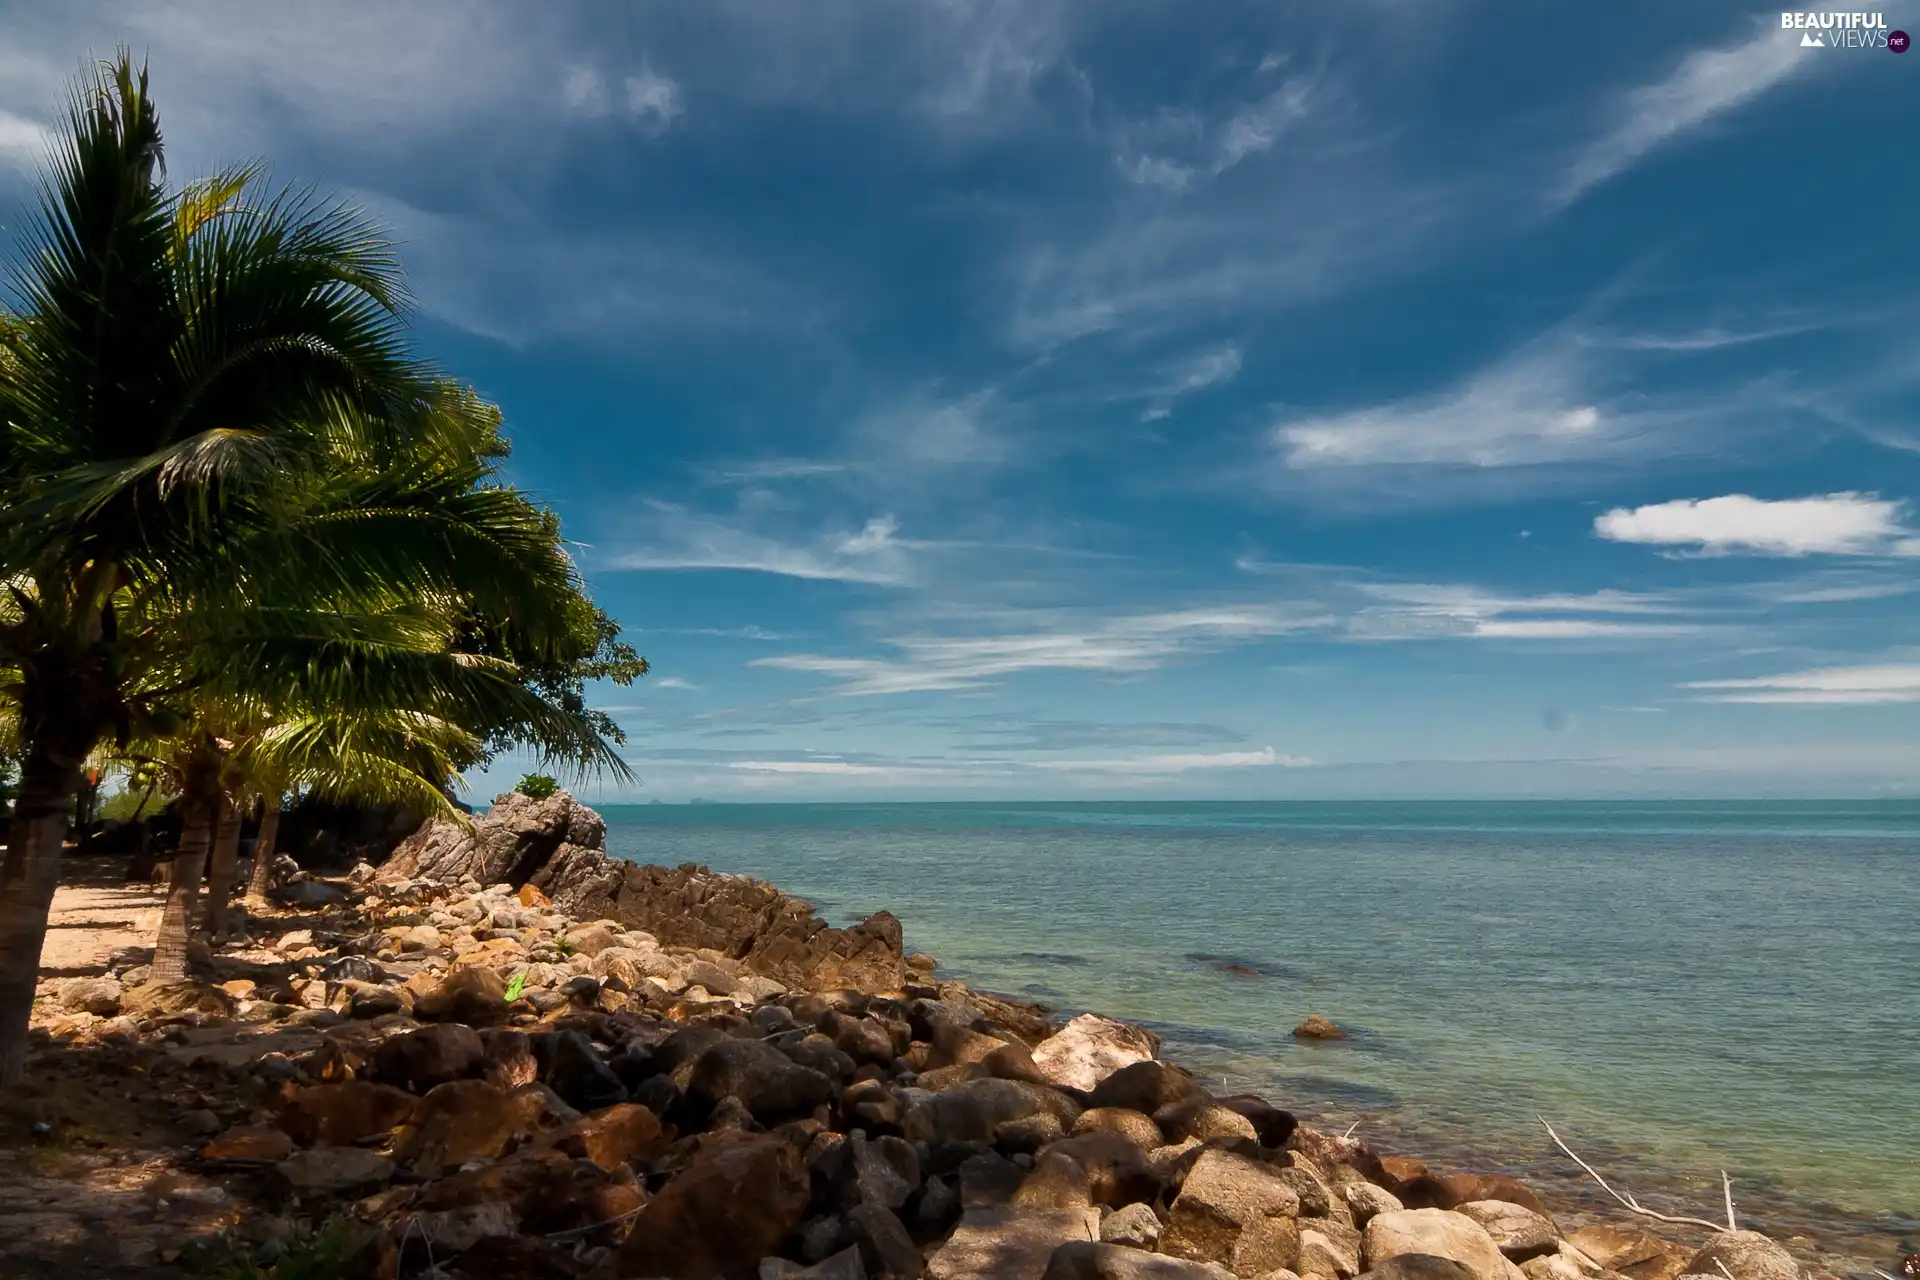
<point>226,847</point>
<point>200,807</point>
<point>28,877</point>
<point>262,872</point>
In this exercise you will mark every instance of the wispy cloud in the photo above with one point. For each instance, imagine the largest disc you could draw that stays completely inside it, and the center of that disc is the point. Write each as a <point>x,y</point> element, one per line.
<point>1212,367</point>
<point>1834,524</point>
<point>23,143</point>
<point>1424,611</point>
<point>1178,763</point>
<point>1707,83</point>
<point>1176,149</point>
<point>1819,686</point>
<point>673,682</point>
<point>683,539</point>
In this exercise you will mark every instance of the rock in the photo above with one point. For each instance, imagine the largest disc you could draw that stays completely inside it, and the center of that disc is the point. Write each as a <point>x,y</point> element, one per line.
<point>1746,1255</point>
<point>971,1112</point>
<point>1201,1117</point>
<point>769,1084</point>
<point>1016,1244</point>
<point>1090,1048</point>
<point>1097,1260</point>
<point>1318,1028</point>
<point>199,1123</point>
<point>1117,1171</point>
<point>97,996</point>
<point>1223,1195</point>
<point>508,844</point>
<point>421,937</point>
<point>886,1170</point>
<point>623,1133</point>
<point>507,1058</point>
<point>530,897</point>
<point>1451,1190</point>
<point>844,1265</point>
<point>988,1181</point>
<point>458,1230</point>
<point>331,1170</point>
<point>884,1244</point>
<point>458,1121</point>
<point>1554,1266</point>
<point>1317,1199</point>
<point>419,1060</point>
<point>1419,1266</point>
<point>739,1198</point>
<point>1632,1253</point>
<point>1056,1181</point>
<point>1364,1201</point>
<point>1519,1232</point>
<point>472,995</point>
<point>573,1068</point>
<point>1144,1087</point>
<point>313,893</point>
<point>1131,1125</point>
<point>1329,1250</point>
<point>343,1113</point>
<point>1271,1125</point>
<point>252,1144</point>
<point>1267,1245</point>
<point>1135,1225</point>
<point>173,999</point>
<point>1439,1232</point>
<point>1028,1134</point>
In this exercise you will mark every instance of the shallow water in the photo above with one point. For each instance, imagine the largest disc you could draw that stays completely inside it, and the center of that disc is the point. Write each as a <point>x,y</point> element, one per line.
<point>1679,987</point>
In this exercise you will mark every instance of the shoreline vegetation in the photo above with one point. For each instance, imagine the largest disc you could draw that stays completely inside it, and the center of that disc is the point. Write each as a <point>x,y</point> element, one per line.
<point>503,1052</point>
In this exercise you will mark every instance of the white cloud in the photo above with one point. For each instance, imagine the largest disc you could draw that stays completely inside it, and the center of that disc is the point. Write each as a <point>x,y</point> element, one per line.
<point>1212,367</point>
<point>1427,611</point>
<point>653,99</point>
<point>585,92</point>
<point>1255,129</point>
<point>23,142</point>
<point>1706,84</point>
<point>1178,763</point>
<point>1834,524</point>
<point>673,682</point>
<point>1115,645</point>
<point>1820,686</point>
<point>683,539</point>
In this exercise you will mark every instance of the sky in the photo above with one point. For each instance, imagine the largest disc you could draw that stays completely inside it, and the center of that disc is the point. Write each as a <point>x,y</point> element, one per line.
<point>1092,399</point>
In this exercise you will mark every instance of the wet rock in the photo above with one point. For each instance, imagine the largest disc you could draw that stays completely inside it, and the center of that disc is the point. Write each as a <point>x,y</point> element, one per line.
<point>1131,1125</point>
<point>1519,1232</point>
<point>1439,1232</point>
<point>1135,1224</point>
<point>1090,1048</point>
<point>1097,1260</point>
<point>333,1170</point>
<point>343,1113</point>
<point>739,1198</point>
<point>1316,1027</point>
<point>1009,1242</point>
<point>884,1244</point>
<point>1746,1255</point>
<point>1223,1195</point>
<point>1451,1190</point>
<point>419,1060</point>
<point>97,996</point>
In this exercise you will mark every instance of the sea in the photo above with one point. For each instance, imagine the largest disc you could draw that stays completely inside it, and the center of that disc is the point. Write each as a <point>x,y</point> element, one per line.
<point>1678,988</point>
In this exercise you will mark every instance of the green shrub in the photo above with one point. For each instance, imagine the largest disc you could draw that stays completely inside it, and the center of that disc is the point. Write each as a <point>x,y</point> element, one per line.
<point>537,785</point>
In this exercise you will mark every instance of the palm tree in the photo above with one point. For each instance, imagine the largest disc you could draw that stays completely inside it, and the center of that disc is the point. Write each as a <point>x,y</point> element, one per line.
<point>181,376</point>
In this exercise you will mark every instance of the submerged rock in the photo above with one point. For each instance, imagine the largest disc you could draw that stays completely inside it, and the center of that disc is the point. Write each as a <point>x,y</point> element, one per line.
<point>1316,1027</point>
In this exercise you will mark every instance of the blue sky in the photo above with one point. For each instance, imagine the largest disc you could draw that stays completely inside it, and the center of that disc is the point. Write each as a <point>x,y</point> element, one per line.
<point>1060,398</point>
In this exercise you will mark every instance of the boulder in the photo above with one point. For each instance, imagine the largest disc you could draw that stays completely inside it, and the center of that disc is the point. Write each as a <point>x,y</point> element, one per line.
<point>1519,1232</point>
<point>1097,1260</point>
<point>1271,1125</point>
<point>507,1058</point>
<point>844,1265</point>
<point>419,1060</point>
<point>1090,1048</point>
<point>1316,1027</point>
<point>1745,1255</point>
<point>164,1000</point>
<point>1136,1224</point>
<point>573,1068</point>
<point>1131,1125</point>
<point>1013,1243</point>
<point>1439,1232</point>
<point>471,994</point>
<point>1199,1116</point>
<point>884,1244</point>
<point>1056,1181</point>
<point>1329,1250</point>
<point>343,1113</point>
<point>1364,1201</point>
<point>1633,1253</point>
<point>1117,1171</point>
<point>250,1144</point>
<point>616,1135</point>
<point>333,1170</point>
<point>97,996</point>
<point>508,844</point>
<point>971,1112</point>
<point>768,1083</point>
<point>1144,1087</point>
<point>886,1170</point>
<point>1224,1194</point>
<point>1419,1266</point>
<point>741,1196</point>
<point>458,1121</point>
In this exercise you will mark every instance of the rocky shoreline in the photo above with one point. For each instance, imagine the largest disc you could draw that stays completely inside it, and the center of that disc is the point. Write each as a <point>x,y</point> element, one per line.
<point>504,1054</point>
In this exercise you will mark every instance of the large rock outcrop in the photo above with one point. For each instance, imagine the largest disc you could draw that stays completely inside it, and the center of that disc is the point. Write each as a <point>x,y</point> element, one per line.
<point>558,845</point>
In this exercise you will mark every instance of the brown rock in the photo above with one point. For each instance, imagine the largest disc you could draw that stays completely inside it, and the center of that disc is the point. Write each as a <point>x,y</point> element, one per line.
<point>151,1001</point>
<point>1117,1170</point>
<point>1144,1087</point>
<point>343,1113</point>
<point>1318,1028</point>
<point>1434,1231</point>
<point>884,1244</point>
<point>1131,1125</point>
<point>739,1199</point>
<point>1745,1255</point>
<point>1203,1118</point>
<point>419,1060</point>
<point>508,1059</point>
<point>769,1084</point>
<point>1267,1244</point>
<point>458,1121</point>
<point>1518,1231</point>
<point>469,994</point>
<point>1099,1260</point>
<point>1009,1242</point>
<point>1056,1181</point>
<point>1632,1253</point>
<point>510,1257</point>
<point>1329,1250</point>
<point>250,1143</point>
<point>331,1170</point>
<point>613,1136</point>
<point>534,900</point>
<point>1222,1196</point>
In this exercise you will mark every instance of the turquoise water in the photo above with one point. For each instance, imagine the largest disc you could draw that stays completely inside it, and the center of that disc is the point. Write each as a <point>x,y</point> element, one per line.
<point>1679,987</point>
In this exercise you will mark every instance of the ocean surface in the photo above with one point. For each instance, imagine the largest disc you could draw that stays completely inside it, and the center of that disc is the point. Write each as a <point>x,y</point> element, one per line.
<point>1679,987</point>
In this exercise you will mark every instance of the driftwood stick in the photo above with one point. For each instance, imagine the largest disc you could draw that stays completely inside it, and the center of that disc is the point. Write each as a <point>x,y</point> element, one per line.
<point>1626,1198</point>
<point>1728,1184</point>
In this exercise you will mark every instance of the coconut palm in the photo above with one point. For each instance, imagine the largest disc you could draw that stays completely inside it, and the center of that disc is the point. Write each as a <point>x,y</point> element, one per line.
<point>182,375</point>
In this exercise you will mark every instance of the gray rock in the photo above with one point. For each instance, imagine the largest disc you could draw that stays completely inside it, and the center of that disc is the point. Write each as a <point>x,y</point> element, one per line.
<point>845,1265</point>
<point>1519,1232</point>
<point>1440,1232</point>
<point>98,996</point>
<point>333,1169</point>
<point>886,1170</point>
<point>1090,1048</point>
<point>883,1242</point>
<point>1135,1225</point>
<point>771,1086</point>
<point>1364,1201</point>
<point>1009,1242</point>
<point>1748,1255</point>
<point>1095,1260</point>
<point>1224,1194</point>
